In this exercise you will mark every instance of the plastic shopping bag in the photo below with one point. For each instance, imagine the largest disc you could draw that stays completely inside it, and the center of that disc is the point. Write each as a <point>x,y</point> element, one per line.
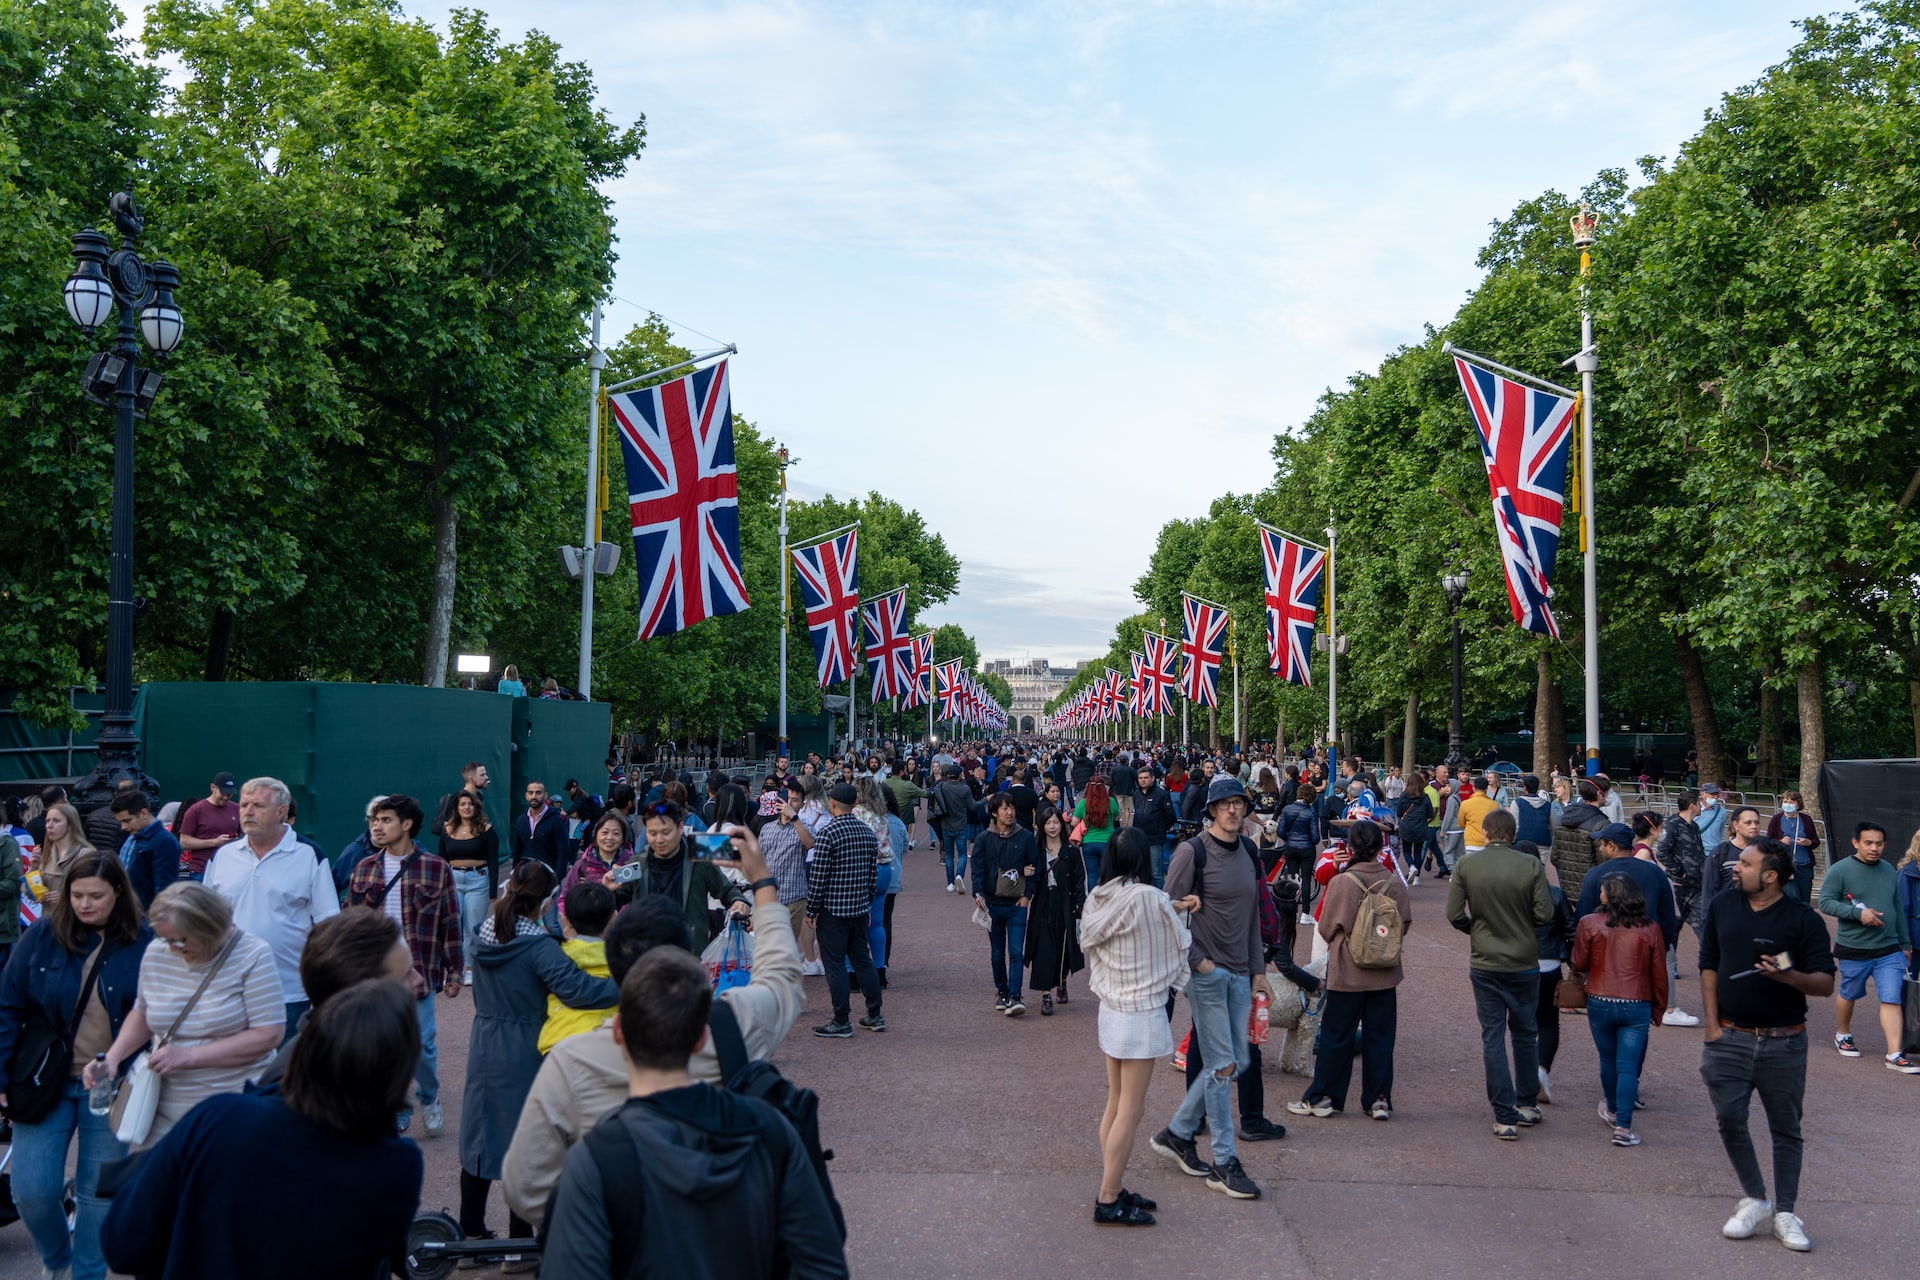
<point>729,957</point>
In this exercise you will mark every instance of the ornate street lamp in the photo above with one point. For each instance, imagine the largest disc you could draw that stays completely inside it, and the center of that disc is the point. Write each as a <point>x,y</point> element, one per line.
<point>1455,585</point>
<point>105,279</point>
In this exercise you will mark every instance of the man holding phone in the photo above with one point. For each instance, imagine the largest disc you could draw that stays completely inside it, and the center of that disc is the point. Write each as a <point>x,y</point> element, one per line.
<point>1762,954</point>
<point>677,868</point>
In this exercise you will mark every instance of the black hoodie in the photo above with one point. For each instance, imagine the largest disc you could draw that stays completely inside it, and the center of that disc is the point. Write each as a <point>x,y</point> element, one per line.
<point>730,1185</point>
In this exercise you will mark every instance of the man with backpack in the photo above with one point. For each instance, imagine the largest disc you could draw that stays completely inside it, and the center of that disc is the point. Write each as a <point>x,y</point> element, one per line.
<point>685,1178</point>
<point>585,1076</point>
<point>1222,868</point>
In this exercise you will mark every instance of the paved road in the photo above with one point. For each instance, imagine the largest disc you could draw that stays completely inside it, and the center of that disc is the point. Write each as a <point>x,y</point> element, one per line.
<point>966,1146</point>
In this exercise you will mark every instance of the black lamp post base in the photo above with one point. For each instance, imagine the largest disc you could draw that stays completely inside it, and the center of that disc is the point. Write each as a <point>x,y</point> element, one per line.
<point>118,760</point>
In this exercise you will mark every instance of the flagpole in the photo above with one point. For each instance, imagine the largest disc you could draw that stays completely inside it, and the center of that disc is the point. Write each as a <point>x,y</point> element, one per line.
<point>1588,363</point>
<point>1234,651</point>
<point>596,361</point>
<point>786,603</point>
<point>1333,658</point>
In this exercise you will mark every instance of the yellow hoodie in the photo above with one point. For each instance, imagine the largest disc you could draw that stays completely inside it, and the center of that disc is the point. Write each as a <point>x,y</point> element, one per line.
<point>590,955</point>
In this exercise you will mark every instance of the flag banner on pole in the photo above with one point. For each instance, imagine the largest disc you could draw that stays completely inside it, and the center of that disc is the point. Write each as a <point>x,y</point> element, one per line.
<point>919,690</point>
<point>949,689</point>
<point>1525,434</point>
<point>830,593</point>
<point>889,648</point>
<point>1295,570</point>
<point>1203,641</point>
<point>1109,684</point>
<point>683,500</point>
<point>1138,696</point>
<point>1161,655</point>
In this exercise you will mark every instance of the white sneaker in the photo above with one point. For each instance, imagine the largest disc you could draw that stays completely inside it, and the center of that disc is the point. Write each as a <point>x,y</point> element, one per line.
<point>1306,917</point>
<point>433,1120</point>
<point>813,969</point>
<point>1791,1232</point>
<point>953,886</point>
<point>1679,1018</point>
<point>1546,1087</point>
<point>466,978</point>
<point>1747,1217</point>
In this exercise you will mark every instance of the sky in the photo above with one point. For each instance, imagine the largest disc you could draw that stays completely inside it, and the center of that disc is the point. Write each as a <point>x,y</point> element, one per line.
<point>1053,273</point>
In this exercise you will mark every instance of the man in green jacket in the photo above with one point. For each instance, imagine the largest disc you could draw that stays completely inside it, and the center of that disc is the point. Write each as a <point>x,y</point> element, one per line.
<point>671,868</point>
<point>1860,892</point>
<point>1498,898</point>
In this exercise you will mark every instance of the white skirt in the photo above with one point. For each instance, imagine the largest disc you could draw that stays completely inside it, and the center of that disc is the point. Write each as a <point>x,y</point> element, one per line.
<point>1145,1034</point>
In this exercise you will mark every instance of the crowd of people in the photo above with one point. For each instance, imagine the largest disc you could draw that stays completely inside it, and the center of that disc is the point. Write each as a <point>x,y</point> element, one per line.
<point>209,998</point>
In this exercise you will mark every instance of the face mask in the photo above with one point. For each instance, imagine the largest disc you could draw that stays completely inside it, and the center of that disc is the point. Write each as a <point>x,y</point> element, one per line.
<point>1789,807</point>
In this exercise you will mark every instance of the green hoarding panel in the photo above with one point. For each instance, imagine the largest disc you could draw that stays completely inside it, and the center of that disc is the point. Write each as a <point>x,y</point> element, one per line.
<point>554,741</point>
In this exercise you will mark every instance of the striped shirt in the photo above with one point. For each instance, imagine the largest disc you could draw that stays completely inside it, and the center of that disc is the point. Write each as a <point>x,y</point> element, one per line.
<point>1135,944</point>
<point>244,994</point>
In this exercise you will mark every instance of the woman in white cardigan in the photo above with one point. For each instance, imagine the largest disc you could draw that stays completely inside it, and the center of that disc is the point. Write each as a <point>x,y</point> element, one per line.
<point>1136,948</point>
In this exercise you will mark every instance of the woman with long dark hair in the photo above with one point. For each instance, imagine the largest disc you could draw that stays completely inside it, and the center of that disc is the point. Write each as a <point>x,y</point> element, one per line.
<point>1059,892</point>
<point>607,847</point>
<point>1623,958</point>
<point>471,846</point>
<point>517,964</point>
<point>71,982</point>
<point>1136,945</point>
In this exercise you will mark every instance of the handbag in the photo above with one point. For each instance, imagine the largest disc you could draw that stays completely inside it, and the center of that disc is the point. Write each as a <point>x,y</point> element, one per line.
<point>138,1100</point>
<point>1010,885</point>
<point>43,1055</point>
<point>1570,994</point>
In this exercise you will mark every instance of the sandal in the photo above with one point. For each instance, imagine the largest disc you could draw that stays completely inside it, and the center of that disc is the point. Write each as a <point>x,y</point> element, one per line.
<point>1121,1214</point>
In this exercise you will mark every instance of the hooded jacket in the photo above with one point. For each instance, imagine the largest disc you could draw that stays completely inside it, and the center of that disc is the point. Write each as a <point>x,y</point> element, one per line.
<point>705,1155</point>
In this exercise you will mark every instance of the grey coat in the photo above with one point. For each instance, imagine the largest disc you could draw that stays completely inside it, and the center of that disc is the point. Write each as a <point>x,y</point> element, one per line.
<point>511,982</point>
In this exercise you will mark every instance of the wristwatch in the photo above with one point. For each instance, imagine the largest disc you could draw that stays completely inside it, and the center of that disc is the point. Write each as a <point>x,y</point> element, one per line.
<point>764,882</point>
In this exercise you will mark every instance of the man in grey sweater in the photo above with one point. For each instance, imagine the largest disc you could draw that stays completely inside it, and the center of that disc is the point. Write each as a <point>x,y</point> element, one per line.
<point>1498,898</point>
<point>1229,965</point>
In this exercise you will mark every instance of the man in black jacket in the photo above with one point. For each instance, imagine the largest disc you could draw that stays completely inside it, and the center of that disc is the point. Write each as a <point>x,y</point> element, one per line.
<point>540,831</point>
<point>1005,848</point>
<point>1153,814</point>
<point>735,1190</point>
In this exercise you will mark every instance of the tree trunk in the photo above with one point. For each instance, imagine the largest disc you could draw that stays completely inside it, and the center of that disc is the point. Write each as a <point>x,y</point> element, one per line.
<point>219,645</point>
<point>1770,755</point>
<point>446,522</point>
<point>1813,735</point>
<point>1407,752</point>
<point>1557,724</point>
<point>1280,729</point>
<point>1545,749</point>
<point>1213,728</point>
<point>1913,696</point>
<point>1715,764</point>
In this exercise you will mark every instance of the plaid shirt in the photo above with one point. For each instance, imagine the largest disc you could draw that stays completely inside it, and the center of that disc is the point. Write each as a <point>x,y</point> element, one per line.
<point>841,880</point>
<point>429,910</point>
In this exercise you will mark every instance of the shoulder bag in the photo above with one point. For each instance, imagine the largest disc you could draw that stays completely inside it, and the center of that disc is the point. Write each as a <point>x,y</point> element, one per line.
<point>138,1101</point>
<point>43,1054</point>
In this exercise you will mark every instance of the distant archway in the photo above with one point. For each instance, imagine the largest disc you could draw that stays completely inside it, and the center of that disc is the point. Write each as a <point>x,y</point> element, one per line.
<point>1026,724</point>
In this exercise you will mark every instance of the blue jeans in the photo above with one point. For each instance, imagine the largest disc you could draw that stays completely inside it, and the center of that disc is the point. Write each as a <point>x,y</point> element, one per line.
<point>1220,1002</point>
<point>1007,943</point>
<point>953,854</point>
<point>40,1177</point>
<point>1620,1035</point>
<point>426,1076</point>
<point>1091,854</point>
<point>1161,857</point>
<point>472,888</point>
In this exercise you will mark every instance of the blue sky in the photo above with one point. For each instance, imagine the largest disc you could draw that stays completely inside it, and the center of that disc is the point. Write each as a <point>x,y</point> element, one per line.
<point>1053,273</point>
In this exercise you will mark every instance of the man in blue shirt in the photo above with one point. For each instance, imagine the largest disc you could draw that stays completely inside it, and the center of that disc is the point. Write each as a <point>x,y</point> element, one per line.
<point>150,854</point>
<point>1713,818</point>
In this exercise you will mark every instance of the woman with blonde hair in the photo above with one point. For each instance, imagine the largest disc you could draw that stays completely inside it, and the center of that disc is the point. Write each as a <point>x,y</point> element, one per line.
<point>210,1002</point>
<point>66,840</point>
<point>870,806</point>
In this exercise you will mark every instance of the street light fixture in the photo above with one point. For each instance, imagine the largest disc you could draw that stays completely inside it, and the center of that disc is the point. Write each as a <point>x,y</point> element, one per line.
<point>105,279</point>
<point>1455,585</point>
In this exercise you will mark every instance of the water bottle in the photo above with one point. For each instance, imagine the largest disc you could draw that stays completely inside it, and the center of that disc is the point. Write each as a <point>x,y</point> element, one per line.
<point>100,1097</point>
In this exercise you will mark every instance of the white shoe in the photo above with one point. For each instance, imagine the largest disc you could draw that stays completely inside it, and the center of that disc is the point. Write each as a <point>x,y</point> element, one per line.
<point>1306,917</point>
<point>1747,1217</point>
<point>813,969</point>
<point>1546,1087</point>
<point>1415,882</point>
<point>433,1120</point>
<point>1679,1018</point>
<point>466,979</point>
<point>953,886</point>
<point>1791,1232</point>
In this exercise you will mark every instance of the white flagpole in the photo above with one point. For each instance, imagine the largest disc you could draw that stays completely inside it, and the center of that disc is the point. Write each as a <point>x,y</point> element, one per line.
<point>1236,683</point>
<point>1333,659</point>
<point>786,604</point>
<point>589,545</point>
<point>1588,363</point>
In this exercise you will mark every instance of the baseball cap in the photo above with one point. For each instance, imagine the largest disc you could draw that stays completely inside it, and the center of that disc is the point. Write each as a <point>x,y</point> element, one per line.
<point>224,781</point>
<point>843,793</point>
<point>1616,833</point>
<point>1711,788</point>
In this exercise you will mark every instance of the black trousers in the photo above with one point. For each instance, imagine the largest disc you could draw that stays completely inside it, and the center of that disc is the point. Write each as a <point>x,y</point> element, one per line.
<point>842,937</point>
<point>473,1210</point>
<point>1374,1014</point>
<point>1548,1016</point>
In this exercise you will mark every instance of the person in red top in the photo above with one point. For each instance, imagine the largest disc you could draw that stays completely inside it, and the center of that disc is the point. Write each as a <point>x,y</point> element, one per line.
<point>1621,956</point>
<point>206,825</point>
<point>415,887</point>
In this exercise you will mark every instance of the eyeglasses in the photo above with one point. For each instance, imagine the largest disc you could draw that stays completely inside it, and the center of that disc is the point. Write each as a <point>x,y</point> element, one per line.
<point>176,944</point>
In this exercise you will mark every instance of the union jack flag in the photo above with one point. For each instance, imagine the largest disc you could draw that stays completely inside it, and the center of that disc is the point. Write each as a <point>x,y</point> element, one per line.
<point>1137,694</point>
<point>889,647</point>
<point>830,592</point>
<point>1525,433</point>
<point>1294,574</point>
<point>1109,686</point>
<point>683,499</point>
<point>1157,670</point>
<point>919,691</point>
<point>1203,640</point>
<point>951,691</point>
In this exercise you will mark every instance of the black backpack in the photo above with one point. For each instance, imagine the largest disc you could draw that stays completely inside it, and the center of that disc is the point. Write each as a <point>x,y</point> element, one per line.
<point>623,1178</point>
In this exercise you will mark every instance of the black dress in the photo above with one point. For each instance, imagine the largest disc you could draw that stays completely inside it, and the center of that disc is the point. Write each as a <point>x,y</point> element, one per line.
<point>1053,911</point>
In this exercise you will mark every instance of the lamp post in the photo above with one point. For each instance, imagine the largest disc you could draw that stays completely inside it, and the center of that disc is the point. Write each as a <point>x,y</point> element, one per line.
<point>105,279</point>
<point>1455,585</point>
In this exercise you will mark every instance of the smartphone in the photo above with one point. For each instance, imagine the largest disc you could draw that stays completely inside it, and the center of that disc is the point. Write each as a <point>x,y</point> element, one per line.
<point>710,844</point>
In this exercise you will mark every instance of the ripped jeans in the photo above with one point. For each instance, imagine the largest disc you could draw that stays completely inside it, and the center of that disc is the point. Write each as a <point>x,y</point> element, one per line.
<point>1221,1002</point>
